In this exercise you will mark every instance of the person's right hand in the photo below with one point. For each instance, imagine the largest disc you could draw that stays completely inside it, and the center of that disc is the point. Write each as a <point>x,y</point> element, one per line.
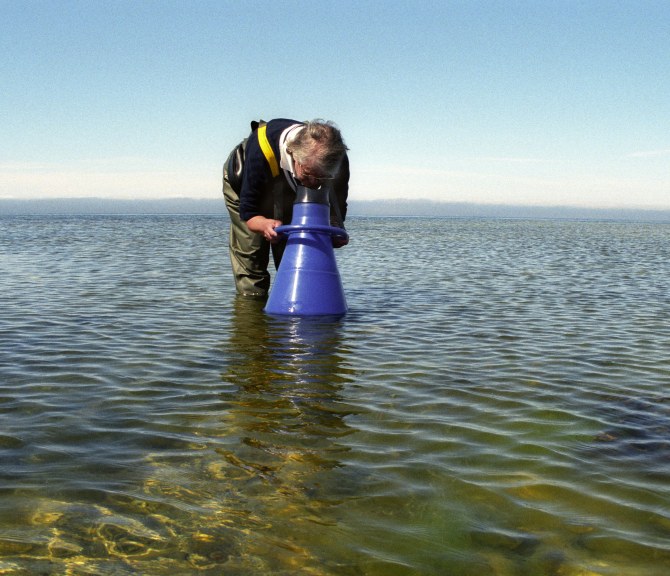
<point>265,227</point>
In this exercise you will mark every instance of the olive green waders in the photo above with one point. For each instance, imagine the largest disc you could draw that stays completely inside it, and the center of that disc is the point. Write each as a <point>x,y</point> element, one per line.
<point>250,252</point>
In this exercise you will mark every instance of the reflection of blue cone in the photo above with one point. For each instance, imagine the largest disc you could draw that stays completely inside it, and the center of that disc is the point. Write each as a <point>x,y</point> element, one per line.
<point>308,281</point>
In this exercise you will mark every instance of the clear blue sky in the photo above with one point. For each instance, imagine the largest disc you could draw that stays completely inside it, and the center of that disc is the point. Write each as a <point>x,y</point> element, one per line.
<point>544,102</point>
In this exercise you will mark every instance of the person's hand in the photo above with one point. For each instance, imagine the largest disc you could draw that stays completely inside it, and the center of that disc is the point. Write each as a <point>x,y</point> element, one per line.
<point>265,227</point>
<point>339,241</point>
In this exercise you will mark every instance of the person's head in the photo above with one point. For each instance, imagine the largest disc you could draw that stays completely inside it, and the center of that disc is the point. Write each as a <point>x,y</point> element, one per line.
<point>317,151</point>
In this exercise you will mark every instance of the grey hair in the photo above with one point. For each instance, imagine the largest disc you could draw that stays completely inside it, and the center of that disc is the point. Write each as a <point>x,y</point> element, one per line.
<point>320,145</point>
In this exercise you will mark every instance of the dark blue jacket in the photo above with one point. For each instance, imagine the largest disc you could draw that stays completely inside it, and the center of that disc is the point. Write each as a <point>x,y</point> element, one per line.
<point>256,194</point>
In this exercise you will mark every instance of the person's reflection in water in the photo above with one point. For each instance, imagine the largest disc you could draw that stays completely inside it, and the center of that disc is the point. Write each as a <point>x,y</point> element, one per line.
<point>281,452</point>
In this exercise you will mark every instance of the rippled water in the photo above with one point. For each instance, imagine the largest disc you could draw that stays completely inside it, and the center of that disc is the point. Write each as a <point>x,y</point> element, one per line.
<point>496,402</point>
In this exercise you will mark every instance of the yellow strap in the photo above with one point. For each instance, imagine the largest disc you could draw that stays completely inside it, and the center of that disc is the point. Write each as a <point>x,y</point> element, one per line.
<point>267,150</point>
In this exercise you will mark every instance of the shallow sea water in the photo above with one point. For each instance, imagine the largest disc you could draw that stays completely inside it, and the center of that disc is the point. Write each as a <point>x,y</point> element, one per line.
<point>496,402</point>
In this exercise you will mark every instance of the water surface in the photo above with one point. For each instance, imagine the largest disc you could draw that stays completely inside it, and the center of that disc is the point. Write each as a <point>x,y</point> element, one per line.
<point>495,403</point>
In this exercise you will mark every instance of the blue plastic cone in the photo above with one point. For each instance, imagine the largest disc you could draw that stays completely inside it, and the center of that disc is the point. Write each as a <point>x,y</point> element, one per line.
<point>308,281</point>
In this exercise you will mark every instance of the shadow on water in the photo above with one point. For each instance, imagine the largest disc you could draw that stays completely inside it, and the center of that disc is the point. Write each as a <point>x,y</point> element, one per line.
<point>638,433</point>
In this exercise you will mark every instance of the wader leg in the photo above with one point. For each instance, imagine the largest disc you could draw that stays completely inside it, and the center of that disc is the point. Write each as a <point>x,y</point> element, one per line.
<point>249,252</point>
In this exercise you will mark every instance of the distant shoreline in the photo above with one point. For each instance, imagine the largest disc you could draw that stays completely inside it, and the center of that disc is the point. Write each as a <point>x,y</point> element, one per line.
<point>376,208</point>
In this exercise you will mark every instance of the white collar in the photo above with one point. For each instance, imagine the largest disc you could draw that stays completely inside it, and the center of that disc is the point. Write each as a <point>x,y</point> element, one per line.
<point>287,136</point>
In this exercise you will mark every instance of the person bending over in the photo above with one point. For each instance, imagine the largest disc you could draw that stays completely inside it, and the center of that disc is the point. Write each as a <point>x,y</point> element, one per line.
<point>260,178</point>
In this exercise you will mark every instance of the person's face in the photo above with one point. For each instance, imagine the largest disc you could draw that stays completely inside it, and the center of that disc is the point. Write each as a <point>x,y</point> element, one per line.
<point>307,176</point>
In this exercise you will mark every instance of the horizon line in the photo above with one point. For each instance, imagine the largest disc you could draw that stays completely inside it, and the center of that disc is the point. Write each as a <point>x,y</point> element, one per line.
<point>393,207</point>
<point>377,201</point>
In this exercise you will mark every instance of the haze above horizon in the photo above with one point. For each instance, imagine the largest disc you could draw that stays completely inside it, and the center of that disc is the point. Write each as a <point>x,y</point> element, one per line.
<point>494,102</point>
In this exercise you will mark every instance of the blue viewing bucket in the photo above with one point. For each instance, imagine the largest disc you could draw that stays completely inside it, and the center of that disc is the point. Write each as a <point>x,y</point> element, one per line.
<point>308,282</point>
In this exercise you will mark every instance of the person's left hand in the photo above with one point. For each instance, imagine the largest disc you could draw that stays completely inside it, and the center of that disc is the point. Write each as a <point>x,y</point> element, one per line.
<point>339,241</point>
